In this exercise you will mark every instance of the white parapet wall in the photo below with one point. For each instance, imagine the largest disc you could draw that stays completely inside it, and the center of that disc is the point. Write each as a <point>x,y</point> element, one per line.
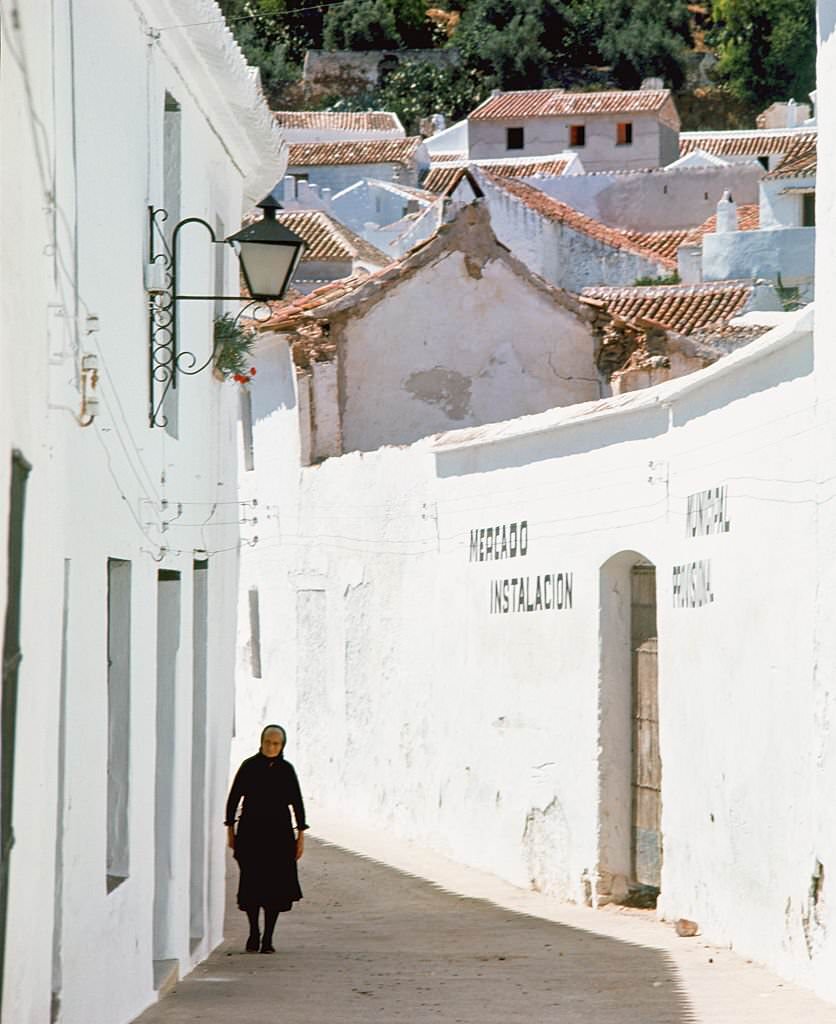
<point>448,641</point>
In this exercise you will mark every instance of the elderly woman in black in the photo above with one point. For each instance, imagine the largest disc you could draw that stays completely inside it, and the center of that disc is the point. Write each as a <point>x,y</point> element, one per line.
<point>264,844</point>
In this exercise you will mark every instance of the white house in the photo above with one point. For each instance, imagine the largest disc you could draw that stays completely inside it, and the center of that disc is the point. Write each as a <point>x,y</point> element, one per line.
<point>781,248</point>
<point>766,146</point>
<point>119,553</point>
<point>609,130</point>
<point>451,334</point>
<point>336,165</point>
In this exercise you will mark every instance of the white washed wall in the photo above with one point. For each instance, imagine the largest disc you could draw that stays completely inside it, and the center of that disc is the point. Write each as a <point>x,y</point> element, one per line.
<point>564,257</point>
<point>654,200</point>
<point>97,492</point>
<point>453,345</point>
<point>545,135</point>
<point>414,708</point>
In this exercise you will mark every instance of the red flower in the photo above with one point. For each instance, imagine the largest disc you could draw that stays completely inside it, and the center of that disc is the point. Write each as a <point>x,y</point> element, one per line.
<point>252,371</point>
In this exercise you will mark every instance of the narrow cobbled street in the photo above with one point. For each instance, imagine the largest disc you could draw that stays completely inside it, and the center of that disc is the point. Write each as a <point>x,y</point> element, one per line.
<point>370,943</point>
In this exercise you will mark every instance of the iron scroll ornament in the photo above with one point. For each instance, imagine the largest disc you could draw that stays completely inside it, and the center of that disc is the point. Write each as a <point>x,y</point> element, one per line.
<point>166,360</point>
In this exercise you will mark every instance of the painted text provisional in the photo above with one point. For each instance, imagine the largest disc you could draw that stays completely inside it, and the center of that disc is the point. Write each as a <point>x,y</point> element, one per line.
<point>550,592</point>
<point>692,585</point>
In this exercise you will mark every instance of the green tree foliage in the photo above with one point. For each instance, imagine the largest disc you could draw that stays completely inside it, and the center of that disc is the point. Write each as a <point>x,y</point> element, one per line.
<point>646,39</point>
<point>274,35</point>
<point>529,44</point>
<point>417,89</point>
<point>520,44</point>
<point>766,48</point>
<point>378,25</point>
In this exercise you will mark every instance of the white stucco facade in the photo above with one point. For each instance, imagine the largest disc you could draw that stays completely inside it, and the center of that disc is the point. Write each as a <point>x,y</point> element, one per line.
<point>119,746</point>
<point>654,200</point>
<point>479,705</point>
<point>654,142</point>
<point>565,256</point>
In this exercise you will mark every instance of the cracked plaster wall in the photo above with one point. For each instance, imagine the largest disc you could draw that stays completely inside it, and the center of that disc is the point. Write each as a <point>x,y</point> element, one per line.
<point>459,343</point>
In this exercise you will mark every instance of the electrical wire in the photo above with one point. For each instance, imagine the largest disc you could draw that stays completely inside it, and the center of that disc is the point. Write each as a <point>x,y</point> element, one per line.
<point>323,5</point>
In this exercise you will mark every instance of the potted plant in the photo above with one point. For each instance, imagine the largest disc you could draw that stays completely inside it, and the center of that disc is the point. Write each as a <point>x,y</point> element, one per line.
<point>233,346</point>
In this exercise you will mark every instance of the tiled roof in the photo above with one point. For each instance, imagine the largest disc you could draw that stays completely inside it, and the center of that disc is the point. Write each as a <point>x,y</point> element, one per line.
<point>445,158</point>
<point>679,307</point>
<point>341,121</point>
<point>469,230</point>
<point>664,243</point>
<point>800,161</point>
<point>364,151</point>
<point>439,178</point>
<point>326,239</point>
<point>650,245</point>
<point>748,219</point>
<point>744,143</point>
<point>558,103</point>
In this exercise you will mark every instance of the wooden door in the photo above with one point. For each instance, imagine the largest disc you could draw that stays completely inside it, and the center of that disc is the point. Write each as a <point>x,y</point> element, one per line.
<point>647,769</point>
<point>646,781</point>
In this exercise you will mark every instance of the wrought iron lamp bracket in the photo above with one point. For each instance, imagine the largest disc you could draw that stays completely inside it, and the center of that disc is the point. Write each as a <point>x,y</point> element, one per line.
<point>166,360</point>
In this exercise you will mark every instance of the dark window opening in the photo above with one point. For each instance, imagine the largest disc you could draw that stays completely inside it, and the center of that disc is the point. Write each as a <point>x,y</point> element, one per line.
<point>577,135</point>
<point>764,162</point>
<point>624,134</point>
<point>808,210</point>
<point>515,138</point>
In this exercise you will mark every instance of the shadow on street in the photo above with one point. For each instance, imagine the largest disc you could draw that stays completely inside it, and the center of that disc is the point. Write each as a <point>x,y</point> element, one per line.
<point>371,944</point>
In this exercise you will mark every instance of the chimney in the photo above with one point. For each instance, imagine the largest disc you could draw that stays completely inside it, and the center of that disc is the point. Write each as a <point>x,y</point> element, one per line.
<point>726,214</point>
<point>792,114</point>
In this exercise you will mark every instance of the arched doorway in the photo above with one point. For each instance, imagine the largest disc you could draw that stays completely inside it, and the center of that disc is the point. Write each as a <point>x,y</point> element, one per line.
<point>630,770</point>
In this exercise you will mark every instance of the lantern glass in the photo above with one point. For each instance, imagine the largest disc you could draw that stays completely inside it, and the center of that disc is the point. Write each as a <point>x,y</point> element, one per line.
<point>268,267</point>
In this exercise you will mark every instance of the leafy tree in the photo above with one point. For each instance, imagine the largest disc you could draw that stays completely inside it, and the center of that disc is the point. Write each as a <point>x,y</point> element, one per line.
<point>644,39</point>
<point>513,44</point>
<point>766,48</point>
<point>417,89</point>
<point>378,25</point>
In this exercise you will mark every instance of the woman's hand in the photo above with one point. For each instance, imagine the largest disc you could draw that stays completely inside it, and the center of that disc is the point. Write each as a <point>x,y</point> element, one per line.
<point>300,845</point>
<point>230,837</point>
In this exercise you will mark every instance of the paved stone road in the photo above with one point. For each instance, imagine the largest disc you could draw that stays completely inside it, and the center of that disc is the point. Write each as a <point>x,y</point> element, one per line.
<point>371,944</point>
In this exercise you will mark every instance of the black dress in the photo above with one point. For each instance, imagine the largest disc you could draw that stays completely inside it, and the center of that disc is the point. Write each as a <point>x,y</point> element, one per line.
<point>265,846</point>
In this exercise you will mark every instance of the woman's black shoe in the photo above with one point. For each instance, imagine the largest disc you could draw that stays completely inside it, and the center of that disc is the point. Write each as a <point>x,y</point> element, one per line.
<point>252,944</point>
<point>267,948</point>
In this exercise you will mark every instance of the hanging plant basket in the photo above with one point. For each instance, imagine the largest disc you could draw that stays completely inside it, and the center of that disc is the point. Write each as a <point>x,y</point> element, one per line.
<point>233,349</point>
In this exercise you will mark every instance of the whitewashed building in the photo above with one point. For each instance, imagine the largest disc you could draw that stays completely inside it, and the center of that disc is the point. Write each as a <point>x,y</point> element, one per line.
<point>609,130</point>
<point>119,592</point>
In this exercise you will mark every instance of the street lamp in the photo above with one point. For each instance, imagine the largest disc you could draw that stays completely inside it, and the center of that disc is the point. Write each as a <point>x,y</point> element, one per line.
<point>269,254</point>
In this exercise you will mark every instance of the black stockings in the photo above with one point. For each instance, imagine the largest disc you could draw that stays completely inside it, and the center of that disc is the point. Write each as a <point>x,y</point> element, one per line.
<point>270,918</point>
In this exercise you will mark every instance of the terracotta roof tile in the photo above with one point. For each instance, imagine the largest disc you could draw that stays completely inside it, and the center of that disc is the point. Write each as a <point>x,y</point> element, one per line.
<point>651,245</point>
<point>800,161</point>
<point>327,239</point>
<point>439,178</point>
<point>748,219</point>
<point>342,121</point>
<point>677,307</point>
<point>445,158</point>
<point>559,103</point>
<point>753,143</point>
<point>361,151</point>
